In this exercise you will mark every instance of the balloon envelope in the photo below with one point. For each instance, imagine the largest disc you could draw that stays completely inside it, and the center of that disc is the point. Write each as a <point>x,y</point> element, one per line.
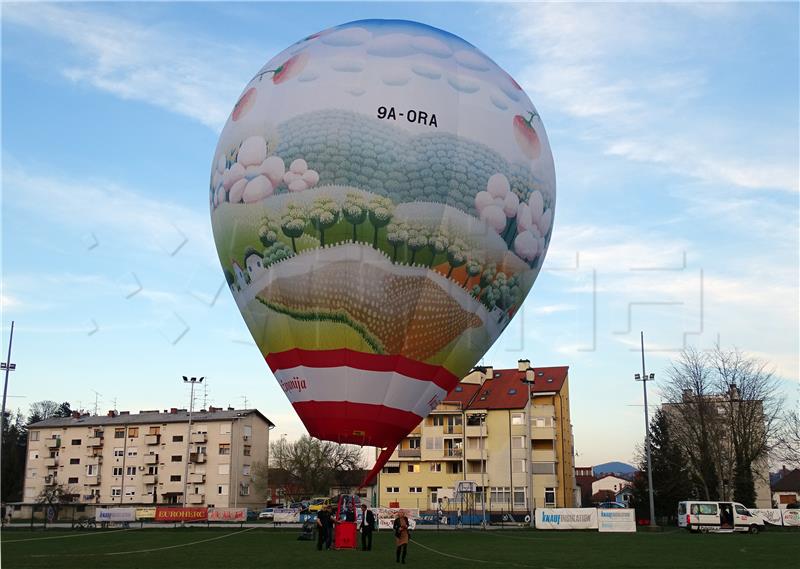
<point>382,199</point>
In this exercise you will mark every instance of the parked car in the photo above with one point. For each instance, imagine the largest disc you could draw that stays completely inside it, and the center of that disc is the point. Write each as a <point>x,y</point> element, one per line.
<point>608,505</point>
<point>252,515</point>
<point>298,505</point>
<point>718,517</point>
<point>267,514</point>
<point>317,504</point>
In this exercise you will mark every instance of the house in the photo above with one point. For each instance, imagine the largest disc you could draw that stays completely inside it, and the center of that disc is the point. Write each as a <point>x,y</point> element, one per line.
<point>625,496</point>
<point>787,490</point>
<point>584,478</point>
<point>611,483</point>
<point>241,279</point>
<point>254,261</point>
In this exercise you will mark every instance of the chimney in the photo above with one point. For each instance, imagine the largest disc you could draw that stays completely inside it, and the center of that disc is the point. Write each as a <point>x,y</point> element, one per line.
<point>76,414</point>
<point>489,373</point>
<point>173,410</point>
<point>111,413</point>
<point>687,394</point>
<point>124,412</point>
<point>230,408</point>
<point>523,365</point>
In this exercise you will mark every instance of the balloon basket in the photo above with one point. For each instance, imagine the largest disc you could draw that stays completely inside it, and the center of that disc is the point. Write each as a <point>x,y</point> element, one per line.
<point>345,536</point>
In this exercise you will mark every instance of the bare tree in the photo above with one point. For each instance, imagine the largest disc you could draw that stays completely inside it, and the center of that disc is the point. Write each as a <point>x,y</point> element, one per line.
<point>787,442</point>
<point>309,466</point>
<point>41,410</point>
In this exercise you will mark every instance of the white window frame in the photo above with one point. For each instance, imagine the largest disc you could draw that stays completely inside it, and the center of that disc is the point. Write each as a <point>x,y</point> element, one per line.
<point>517,418</point>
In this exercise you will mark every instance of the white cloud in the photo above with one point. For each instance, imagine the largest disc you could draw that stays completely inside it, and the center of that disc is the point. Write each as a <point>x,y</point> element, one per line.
<point>167,68</point>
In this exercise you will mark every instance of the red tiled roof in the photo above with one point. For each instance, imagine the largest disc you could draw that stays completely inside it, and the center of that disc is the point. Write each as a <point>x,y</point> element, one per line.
<point>506,390</point>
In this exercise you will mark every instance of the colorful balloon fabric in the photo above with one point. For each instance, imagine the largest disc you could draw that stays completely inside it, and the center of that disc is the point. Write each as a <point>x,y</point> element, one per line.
<point>382,200</point>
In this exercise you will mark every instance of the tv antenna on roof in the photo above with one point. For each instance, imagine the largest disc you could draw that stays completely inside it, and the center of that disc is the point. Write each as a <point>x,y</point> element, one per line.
<point>96,399</point>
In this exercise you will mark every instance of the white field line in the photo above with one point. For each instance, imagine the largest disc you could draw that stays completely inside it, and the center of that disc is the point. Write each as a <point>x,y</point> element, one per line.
<point>473,560</point>
<point>148,550</point>
<point>90,532</point>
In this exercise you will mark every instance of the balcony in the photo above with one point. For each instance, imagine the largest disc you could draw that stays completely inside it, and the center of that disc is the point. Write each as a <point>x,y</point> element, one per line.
<point>197,478</point>
<point>51,462</point>
<point>477,431</point>
<point>409,453</point>
<point>53,443</point>
<point>453,429</point>
<point>92,481</point>
<point>476,453</point>
<point>152,439</point>
<point>543,433</point>
<point>544,455</point>
<point>150,479</point>
<point>94,441</point>
<point>151,459</point>
<point>452,453</point>
<point>50,481</point>
<point>199,438</point>
<point>197,498</point>
<point>198,457</point>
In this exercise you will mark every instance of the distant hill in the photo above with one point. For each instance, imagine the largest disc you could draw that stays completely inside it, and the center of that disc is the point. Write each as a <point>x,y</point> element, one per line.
<point>619,468</point>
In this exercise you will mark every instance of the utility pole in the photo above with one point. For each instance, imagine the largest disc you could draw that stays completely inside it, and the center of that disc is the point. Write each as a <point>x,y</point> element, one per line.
<point>644,378</point>
<point>8,367</point>
<point>96,397</point>
<point>192,381</point>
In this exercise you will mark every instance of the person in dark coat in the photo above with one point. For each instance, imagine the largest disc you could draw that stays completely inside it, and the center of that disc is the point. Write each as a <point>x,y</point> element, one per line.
<point>367,525</point>
<point>323,534</point>
<point>331,520</point>
<point>401,536</point>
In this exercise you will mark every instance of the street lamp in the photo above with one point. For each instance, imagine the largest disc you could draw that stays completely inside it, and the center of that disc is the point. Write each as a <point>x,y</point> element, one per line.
<point>530,376</point>
<point>644,378</point>
<point>482,418</point>
<point>192,381</point>
<point>7,366</point>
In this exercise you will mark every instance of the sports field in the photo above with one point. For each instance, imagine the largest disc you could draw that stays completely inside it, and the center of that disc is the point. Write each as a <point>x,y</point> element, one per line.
<point>197,548</point>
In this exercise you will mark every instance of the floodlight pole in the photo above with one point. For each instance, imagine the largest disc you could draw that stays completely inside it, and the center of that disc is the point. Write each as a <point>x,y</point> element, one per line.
<point>644,379</point>
<point>530,376</point>
<point>8,367</point>
<point>192,381</point>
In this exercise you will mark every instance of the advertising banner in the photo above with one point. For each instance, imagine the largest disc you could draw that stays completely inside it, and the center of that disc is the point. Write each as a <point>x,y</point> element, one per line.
<point>145,513</point>
<point>386,516</point>
<point>286,516</point>
<point>227,514</point>
<point>771,516</point>
<point>115,514</point>
<point>177,514</point>
<point>566,518</point>
<point>616,519</point>
<point>791,517</point>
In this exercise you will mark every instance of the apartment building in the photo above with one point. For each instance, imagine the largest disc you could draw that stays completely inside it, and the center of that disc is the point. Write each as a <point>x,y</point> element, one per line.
<point>141,459</point>
<point>511,439</point>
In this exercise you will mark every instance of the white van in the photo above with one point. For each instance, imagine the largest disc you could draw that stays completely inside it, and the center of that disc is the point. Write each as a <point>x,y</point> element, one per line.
<point>719,517</point>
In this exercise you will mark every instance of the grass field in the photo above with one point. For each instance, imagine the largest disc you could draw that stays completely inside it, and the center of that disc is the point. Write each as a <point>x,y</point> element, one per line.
<point>258,547</point>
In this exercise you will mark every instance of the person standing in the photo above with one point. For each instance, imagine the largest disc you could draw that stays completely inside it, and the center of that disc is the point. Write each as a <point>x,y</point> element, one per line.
<point>367,525</point>
<point>322,528</point>
<point>401,536</point>
<point>330,519</point>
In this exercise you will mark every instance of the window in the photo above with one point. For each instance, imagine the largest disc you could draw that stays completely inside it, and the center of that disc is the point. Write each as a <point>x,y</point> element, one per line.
<point>177,438</point>
<point>413,467</point>
<point>154,431</point>
<point>517,418</point>
<point>246,470</point>
<point>543,421</point>
<point>130,491</point>
<point>175,478</point>
<point>75,442</point>
<point>152,470</point>
<point>119,433</point>
<point>133,432</point>
<point>34,454</point>
<point>116,471</point>
<point>91,470</point>
<point>437,421</point>
<point>176,458</point>
<point>392,490</point>
<point>222,489</point>
<point>434,443</point>
<point>704,509</point>
<point>224,448</point>
<point>518,465</point>
<point>130,471</point>
<point>224,428</point>
<point>543,468</point>
<point>133,451</point>
<point>246,450</point>
<point>74,460</point>
<point>475,420</point>
<point>244,489</point>
<point>549,496</point>
<point>34,435</point>
<point>455,467</point>
<point>223,469</point>
<point>413,443</point>
<point>201,449</point>
<point>500,495</point>
<point>72,480</point>
<point>116,491</point>
<point>415,490</point>
<point>118,451</point>
<point>391,469</point>
<point>741,510</point>
<point>517,442</point>
<point>519,495</point>
<point>436,466</point>
<point>247,432</point>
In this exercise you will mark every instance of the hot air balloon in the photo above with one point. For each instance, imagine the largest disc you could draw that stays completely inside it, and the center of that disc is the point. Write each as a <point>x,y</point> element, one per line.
<point>382,200</point>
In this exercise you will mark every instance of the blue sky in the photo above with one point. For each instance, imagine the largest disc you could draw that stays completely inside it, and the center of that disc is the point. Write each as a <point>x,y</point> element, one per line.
<point>675,135</point>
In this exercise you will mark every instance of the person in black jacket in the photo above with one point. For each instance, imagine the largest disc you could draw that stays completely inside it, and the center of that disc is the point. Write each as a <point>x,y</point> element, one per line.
<point>367,525</point>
